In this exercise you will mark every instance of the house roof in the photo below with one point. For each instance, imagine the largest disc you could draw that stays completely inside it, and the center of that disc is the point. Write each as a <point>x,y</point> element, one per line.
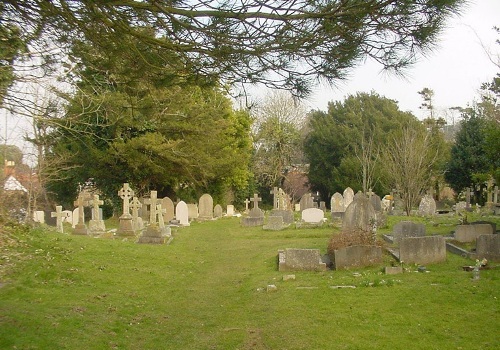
<point>11,184</point>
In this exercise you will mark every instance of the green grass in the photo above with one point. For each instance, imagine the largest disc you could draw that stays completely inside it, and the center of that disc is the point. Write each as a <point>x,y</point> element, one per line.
<point>207,290</point>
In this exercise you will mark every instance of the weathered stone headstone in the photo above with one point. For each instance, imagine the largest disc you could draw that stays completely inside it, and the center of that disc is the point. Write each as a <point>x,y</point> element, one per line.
<point>348,196</point>
<point>488,247</point>
<point>405,229</point>
<point>360,214</point>
<point>75,217</point>
<point>356,256</point>
<point>181,213</point>
<point>218,211</point>
<point>359,194</point>
<point>256,215</point>
<point>59,215</point>
<point>230,210</point>
<point>422,250</point>
<point>337,205</point>
<point>306,202</point>
<point>125,226</point>
<point>292,259</point>
<point>469,233</point>
<point>137,221</point>
<point>206,207</point>
<point>96,224</point>
<point>322,206</point>
<point>152,201</point>
<point>68,217</point>
<point>156,232</point>
<point>39,216</point>
<point>376,202</point>
<point>81,202</point>
<point>427,206</point>
<point>168,205</point>
<point>274,223</point>
<point>313,216</point>
<point>193,212</point>
<point>247,202</point>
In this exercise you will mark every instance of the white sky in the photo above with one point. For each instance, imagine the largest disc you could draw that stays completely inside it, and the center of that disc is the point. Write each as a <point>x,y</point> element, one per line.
<point>455,70</point>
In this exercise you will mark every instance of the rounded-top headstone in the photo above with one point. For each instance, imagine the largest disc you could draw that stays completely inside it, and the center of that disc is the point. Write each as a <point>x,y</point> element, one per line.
<point>360,214</point>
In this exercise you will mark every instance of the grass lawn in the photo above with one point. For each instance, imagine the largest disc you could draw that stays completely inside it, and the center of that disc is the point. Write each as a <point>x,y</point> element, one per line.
<point>207,290</point>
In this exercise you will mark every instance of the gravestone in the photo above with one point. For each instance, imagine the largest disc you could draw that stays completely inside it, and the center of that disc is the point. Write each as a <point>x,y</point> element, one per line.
<point>460,207</point>
<point>96,224</point>
<point>135,205</point>
<point>348,196</point>
<point>81,202</point>
<point>156,232</point>
<point>218,211</point>
<point>405,229</point>
<point>427,206</point>
<point>376,202</point>
<point>356,256</point>
<point>59,215</point>
<point>181,213</point>
<point>422,250</point>
<point>337,205</point>
<point>488,247</point>
<point>125,226</point>
<point>358,195</point>
<point>360,214</point>
<point>292,259</point>
<point>68,217</point>
<point>75,217</point>
<point>193,212</point>
<point>322,206</point>
<point>168,205</point>
<point>274,223</point>
<point>39,216</point>
<point>206,210</point>
<point>247,202</point>
<point>313,216</point>
<point>283,200</point>
<point>469,233</point>
<point>230,210</point>
<point>287,215</point>
<point>256,215</point>
<point>306,202</point>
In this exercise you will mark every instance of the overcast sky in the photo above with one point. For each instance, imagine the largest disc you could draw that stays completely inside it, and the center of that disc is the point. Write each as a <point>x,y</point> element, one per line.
<point>455,70</point>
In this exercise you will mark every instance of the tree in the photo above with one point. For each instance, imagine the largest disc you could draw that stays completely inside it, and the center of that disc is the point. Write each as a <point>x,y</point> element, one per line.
<point>409,159</point>
<point>279,43</point>
<point>277,140</point>
<point>342,143</point>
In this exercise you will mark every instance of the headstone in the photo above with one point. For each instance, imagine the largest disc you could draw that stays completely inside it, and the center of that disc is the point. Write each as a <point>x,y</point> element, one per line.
<point>337,205</point>
<point>156,232</point>
<point>274,192</point>
<point>152,201</point>
<point>313,216</point>
<point>274,223</point>
<point>460,207</point>
<point>292,259</point>
<point>168,205</point>
<point>282,200</point>
<point>58,214</point>
<point>230,210</point>
<point>356,256</point>
<point>68,217</point>
<point>287,215</point>
<point>218,211</point>
<point>96,224</point>
<point>359,194</point>
<point>488,247</point>
<point>137,221</point>
<point>322,206</point>
<point>206,209</point>
<point>376,202</point>
<point>181,213</point>
<point>247,202</point>
<point>405,229</point>
<point>39,216</point>
<point>348,196</point>
<point>468,194</point>
<point>193,212</point>
<point>427,206</point>
<point>360,214</point>
<point>306,202</point>
<point>81,202</point>
<point>75,217</point>
<point>422,250</point>
<point>256,215</point>
<point>126,226</point>
<point>469,233</point>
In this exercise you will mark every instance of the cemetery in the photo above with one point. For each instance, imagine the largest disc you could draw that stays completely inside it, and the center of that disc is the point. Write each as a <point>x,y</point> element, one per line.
<point>137,278</point>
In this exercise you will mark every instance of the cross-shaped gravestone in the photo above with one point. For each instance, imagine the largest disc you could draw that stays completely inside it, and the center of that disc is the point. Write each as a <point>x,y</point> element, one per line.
<point>370,193</point>
<point>256,199</point>
<point>274,192</point>
<point>126,193</point>
<point>489,190</point>
<point>247,202</point>
<point>152,201</point>
<point>135,205</point>
<point>95,203</point>
<point>160,212</point>
<point>81,201</point>
<point>59,215</point>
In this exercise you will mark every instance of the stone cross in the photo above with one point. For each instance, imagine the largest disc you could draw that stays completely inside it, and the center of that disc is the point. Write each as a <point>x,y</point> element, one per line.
<point>160,212</point>
<point>135,205</point>
<point>95,202</point>
<point>256,199</point>
<point>126,193</point>
<point>81,202</point>
<point>152,201</point>
<point>274,192</point>
<point>59,215</point>
<point>247,202</point>
<point>489,189</point>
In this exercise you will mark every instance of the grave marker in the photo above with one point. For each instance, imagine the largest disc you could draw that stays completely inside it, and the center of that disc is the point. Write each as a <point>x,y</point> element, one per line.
<point>59,215</point>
